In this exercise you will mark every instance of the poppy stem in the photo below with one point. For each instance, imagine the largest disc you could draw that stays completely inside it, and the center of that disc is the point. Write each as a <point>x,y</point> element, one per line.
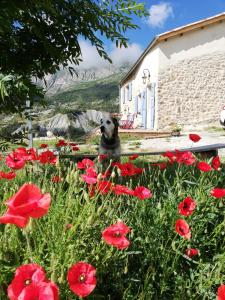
<point>28,245</point>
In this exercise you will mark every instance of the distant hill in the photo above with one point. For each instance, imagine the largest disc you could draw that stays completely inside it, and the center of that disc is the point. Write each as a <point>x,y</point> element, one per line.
<point>73,104</point>
<point>100,94</point>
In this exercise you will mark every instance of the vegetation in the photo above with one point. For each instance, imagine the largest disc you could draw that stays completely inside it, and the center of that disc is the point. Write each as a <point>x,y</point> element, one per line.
<point>102,94</point>
<point>155,265</point>
<point>39,37</point>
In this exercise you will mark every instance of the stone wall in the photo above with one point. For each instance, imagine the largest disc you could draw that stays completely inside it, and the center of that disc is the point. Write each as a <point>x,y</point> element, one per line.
<point>191,93</point>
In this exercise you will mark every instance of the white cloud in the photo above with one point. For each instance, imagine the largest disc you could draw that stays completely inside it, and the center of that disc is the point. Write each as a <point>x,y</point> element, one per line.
<point>159,13</point>
<point>119,56</point>
<point>128,55</point>
<point>90,57</point>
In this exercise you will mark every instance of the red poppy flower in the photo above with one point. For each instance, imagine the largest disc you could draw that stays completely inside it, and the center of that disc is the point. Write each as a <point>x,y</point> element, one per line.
<point>32,154</point>
<point>43,290</point>
<point>14,161</point>
<point>61,143</point>
<point>56,179</point>
<point>187,158</point>
<point>221,292</point>
<point>91,172</point>
<point>171,156</point>
<point>73,144</point>
<point>216,162</point>
<point>90,177</point>
<point>21,151</point>
<point>27,202</point>
<point>9,175</point>
<point>47,157</point>
<point>81,278</point>
<point>203,166</point>
<point>116,164</point>
<point>142,192</point>
<point>75,148</point>
<point>30,283</point>
<point>24,276</point>
<point>190,252</point>
<point>102,157</point>
<point>85,163</point>
<point>91,190</point>
<point>218,193</point>
<point>133,157</point>
<point>104,186</point>
<point>138,171</point>
<point>122,190</point>
<point>26,154</point>
<point>162,165</point>
<point>106,174</point>
<point>115,235</point>
<point>182,228</point>
<point>187,206</point>
<point>43,146</point>
<point>194,137</point>
<point>128,169</point>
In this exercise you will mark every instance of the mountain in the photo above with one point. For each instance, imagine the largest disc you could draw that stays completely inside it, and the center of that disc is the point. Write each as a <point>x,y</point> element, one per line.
<point>90,89</point>
<point>74,105</point>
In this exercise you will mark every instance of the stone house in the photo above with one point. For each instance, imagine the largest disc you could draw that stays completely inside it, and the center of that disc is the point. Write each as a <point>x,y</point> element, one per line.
<point>179,78</point>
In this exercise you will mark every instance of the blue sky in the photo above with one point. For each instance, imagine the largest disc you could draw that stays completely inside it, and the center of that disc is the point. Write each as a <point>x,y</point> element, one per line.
<point>175,13</point>
<point>164,15</point>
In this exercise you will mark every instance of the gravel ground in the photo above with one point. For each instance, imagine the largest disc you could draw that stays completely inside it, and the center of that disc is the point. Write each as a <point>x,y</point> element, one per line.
<point>171,143</point>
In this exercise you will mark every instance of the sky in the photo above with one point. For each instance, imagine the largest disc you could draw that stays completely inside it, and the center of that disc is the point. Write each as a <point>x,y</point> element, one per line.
<point>164,16</point>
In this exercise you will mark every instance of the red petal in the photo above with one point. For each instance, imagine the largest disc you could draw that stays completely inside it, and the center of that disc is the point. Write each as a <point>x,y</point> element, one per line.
<point>11,218</point>
<point>42,207</point>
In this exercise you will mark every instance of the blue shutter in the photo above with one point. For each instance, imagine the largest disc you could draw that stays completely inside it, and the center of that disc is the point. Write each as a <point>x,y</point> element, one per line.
<point>124,94</point>
<point>131,86</point>
<point>152,106</point>
<point>136,104</point>
<point>144,109</point>
<point>129,91</point>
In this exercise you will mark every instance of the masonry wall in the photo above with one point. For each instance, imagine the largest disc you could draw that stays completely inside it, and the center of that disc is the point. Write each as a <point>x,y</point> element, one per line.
<point>191,92</point>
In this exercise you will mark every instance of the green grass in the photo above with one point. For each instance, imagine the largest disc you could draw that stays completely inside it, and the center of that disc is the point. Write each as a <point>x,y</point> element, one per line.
<point>154,266</point>
<point>215,129</point>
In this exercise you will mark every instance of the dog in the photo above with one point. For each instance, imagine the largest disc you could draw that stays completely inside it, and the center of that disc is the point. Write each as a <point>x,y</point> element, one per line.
<point>110,141</point>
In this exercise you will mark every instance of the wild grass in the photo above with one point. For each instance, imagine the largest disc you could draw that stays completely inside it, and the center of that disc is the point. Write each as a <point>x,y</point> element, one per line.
<point>154,266</point>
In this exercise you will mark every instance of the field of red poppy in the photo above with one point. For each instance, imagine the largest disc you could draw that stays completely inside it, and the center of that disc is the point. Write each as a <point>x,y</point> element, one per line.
<point>141,231</point>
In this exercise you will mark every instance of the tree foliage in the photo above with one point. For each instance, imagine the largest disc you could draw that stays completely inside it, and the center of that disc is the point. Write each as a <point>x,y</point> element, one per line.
<point>38,37</point>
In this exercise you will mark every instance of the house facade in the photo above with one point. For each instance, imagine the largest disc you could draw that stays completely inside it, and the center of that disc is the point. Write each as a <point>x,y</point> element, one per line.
<point>179,78</point>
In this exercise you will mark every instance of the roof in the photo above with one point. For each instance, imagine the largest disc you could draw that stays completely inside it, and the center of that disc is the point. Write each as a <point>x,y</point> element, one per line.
<point>172,33</point>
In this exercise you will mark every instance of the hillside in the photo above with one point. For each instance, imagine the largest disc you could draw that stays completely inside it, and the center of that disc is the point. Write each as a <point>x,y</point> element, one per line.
<point>74,106</point>
<point>101,94</point>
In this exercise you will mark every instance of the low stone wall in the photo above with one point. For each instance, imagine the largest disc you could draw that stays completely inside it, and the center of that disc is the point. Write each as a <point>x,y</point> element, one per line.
<point>191,93</point>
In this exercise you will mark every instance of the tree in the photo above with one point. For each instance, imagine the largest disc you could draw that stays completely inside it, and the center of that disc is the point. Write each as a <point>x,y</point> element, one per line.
<point>38,37</point>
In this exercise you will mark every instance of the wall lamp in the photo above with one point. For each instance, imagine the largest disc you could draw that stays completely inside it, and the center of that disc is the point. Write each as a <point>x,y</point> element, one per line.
<point>146,76</point>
